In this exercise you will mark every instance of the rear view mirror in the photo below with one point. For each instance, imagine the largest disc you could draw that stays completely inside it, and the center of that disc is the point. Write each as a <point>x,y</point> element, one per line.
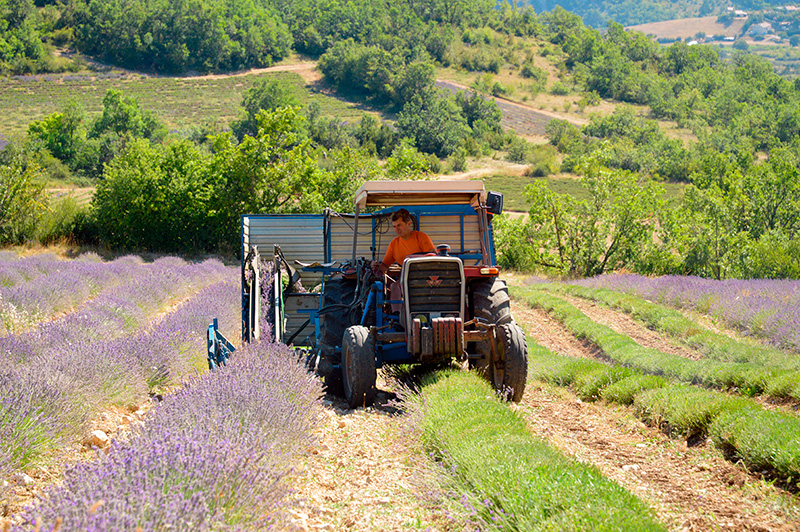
<point>494,202</point>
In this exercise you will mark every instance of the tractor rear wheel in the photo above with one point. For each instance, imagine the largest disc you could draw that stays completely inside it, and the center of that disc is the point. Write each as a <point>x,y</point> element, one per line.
<point>358,366</point>
<point>490,301</point>
<point>339,293</point>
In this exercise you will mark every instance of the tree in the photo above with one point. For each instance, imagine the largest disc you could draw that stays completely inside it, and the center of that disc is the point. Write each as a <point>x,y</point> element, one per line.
<point>23,199</point>
<point>434,122</point>
<point>266,95</point>
<point>61,133</point>
<point>156,197</point>
<point>272,172</point>
<point>604,232</point>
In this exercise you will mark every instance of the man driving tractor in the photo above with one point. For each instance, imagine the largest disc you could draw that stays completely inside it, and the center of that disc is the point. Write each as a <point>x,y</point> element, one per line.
<point>408,241</point>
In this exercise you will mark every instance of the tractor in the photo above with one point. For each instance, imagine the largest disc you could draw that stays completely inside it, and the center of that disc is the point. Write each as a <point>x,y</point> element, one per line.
<point>318,293</point>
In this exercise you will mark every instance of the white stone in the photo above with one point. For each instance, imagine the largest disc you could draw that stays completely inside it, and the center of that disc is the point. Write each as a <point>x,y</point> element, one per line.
<point>21,479</point>
<point>97,438</point>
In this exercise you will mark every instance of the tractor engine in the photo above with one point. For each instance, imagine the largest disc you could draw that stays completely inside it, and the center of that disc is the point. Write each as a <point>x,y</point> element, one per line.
<point>433,310</point>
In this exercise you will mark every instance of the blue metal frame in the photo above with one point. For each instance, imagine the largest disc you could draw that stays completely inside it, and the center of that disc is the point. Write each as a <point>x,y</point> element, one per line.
<point>219,348</point>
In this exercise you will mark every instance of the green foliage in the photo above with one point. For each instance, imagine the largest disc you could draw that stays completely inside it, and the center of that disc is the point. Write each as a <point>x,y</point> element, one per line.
<point>65,220</point>
<point>434,122</point>
<point>275,171</point>
<point>265,95</point>
<point>61,133</point>
<point>164,36</point>
<point>624,391</point>
<point>406,162</point>
<point>516,481</point>
<point>156,197</point>
<point>23,200</point>
<point>513,244</point>
<point>764,440</point>
<point>605,232</point>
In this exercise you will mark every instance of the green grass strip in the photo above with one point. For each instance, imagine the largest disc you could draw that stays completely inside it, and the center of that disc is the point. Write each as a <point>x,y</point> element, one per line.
<point>675,324</point>
<point>764,440</point>
<point>746,378</point>
<point>521,482</point>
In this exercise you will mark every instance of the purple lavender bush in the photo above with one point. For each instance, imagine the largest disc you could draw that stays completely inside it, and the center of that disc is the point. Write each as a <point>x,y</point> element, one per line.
<point>762,307</point>
<point>216,455</point>
<point>112,351</point>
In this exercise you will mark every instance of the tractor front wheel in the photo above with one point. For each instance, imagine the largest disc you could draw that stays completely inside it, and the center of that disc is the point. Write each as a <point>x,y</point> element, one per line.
<point>358,366</point>
<point>510,378</point>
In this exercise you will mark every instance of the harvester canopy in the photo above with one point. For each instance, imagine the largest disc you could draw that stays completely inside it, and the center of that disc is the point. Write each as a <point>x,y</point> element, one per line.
<point>390,193</point>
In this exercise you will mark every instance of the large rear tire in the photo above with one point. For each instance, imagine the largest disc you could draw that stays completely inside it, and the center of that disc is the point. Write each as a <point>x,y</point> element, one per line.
<point>509,379</point>
<point>339,292</point>
<point>490,301</point>
<point>358,366</point>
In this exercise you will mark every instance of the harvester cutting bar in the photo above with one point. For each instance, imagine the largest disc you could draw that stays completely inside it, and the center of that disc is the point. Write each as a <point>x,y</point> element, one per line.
<point>219,348</point>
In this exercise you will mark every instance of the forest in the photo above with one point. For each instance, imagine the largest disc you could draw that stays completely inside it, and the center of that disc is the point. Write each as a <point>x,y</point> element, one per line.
<point>737,218</point>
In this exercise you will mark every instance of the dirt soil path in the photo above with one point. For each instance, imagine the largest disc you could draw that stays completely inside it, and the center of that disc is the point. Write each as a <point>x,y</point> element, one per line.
<point>690,488</point>
<point>366,473</point>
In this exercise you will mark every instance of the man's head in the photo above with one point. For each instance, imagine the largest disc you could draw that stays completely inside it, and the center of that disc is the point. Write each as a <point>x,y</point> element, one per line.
<point>403,223</point>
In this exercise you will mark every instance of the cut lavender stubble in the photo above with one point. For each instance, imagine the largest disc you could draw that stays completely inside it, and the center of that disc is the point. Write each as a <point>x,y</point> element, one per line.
<point>769,308</point>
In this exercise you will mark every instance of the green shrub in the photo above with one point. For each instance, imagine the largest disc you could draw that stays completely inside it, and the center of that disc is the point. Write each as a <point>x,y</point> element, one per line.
<point>765,440</point>
<point>589,385</point>
<point>23,200</point>
<point>60,222</point>
<point>624,391</point>
<point>685,409</point>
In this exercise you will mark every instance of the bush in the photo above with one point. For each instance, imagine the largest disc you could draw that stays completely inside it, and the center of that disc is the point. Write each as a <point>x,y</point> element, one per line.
<point>61,221</point>
<point>23,200</point>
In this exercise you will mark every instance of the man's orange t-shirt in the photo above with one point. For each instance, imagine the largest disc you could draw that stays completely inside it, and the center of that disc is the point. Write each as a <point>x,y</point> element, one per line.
<point>399,249</point>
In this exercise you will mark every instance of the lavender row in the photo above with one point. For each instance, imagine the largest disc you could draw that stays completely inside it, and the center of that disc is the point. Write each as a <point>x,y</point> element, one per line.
<point>47,399</point>
<point>763,307</point>
<point>15,270</point>
<point>214,456</point>
<point>116,312</point>
<point>63,285</point>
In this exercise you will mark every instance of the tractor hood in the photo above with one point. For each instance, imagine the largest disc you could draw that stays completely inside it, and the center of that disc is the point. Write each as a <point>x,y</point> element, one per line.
<point>390,193</point>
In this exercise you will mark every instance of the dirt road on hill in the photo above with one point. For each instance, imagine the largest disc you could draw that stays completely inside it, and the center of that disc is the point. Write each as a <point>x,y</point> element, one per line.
<point>690,488</point>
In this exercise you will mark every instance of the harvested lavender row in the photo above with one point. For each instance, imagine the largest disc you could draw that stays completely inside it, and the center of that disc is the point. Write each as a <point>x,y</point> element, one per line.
<point>48,400</point>
<point>765,307</point>
<point>213,456</point>
<point>116,312</point>
<point>66,286</point>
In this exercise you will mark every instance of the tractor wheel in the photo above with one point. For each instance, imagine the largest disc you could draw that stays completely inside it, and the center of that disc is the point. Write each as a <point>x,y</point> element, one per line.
<point>337,292</point>
<point>511,341</point>
<point>511,345</point>
<point>490,301</point>
<point>358,366</point>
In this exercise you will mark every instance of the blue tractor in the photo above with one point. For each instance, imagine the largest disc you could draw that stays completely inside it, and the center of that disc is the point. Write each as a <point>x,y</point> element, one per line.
<point>317,292</point>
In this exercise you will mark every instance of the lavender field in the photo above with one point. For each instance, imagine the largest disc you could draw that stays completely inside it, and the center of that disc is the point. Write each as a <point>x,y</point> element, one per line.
<point>765,307</point>
<point>80,336</point>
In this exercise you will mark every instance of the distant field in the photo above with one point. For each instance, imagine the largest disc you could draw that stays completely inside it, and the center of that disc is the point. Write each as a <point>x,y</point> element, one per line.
<point>513,189</point>
<point>689,27</point>
<point>180,102</point>
<point>785,59</point>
